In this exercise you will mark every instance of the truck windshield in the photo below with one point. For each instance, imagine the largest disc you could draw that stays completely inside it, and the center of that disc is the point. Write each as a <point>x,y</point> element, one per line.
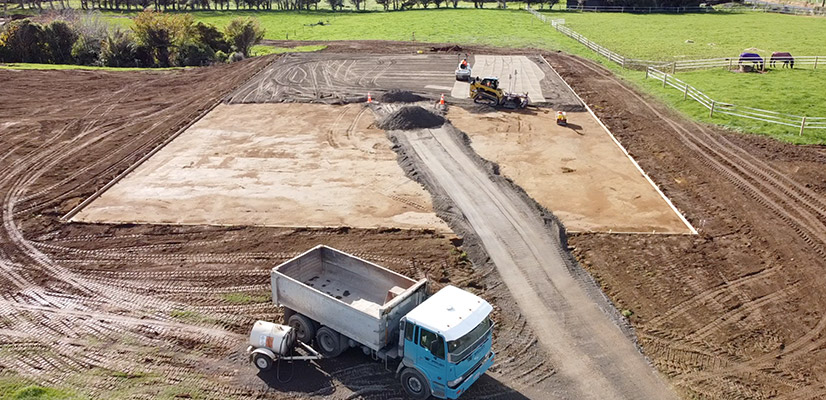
<point>462,347</point>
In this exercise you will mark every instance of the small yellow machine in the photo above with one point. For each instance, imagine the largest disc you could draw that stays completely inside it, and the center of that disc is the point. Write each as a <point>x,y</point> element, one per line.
<point>561,118</point>
<point>487,91</point>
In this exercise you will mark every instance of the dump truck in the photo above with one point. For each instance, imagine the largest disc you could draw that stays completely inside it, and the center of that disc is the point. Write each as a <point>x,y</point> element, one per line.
<point>339,301</point>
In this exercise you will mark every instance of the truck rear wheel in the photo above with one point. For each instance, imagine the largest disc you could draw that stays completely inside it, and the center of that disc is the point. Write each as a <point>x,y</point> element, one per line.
<point>329,342</point>
<point>303,326</point>
<point>415,384</point>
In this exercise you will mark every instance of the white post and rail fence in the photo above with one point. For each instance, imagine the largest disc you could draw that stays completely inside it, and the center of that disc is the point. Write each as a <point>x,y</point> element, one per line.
<point>657,70</point>
<point>718,107</point>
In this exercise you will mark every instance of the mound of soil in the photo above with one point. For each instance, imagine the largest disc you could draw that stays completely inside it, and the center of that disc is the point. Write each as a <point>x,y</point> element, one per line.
<point>446,49</point>
<point>411,117</point>
<point>400,96</point>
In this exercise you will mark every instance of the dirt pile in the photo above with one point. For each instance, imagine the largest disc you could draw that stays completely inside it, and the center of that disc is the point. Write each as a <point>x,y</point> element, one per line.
<point>411,117</point>
<point>400,96</point>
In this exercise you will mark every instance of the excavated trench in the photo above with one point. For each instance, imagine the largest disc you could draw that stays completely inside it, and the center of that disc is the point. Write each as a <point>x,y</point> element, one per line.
<point>590,346</point>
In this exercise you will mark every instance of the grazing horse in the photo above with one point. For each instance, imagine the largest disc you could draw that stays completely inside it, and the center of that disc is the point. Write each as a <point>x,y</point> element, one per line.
<point>788,60</point>
<point>753,57</point>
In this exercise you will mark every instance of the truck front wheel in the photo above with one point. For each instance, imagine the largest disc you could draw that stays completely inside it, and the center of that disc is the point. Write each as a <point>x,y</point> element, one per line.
<point>329,342</point>
<point>415,384</point>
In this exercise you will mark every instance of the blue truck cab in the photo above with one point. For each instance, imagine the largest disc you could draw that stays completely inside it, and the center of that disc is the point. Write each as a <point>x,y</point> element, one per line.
<point>446,344</point>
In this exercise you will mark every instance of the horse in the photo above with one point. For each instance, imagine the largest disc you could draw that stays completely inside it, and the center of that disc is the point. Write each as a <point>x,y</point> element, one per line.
<point>753,57</point>
<point>788,60</point>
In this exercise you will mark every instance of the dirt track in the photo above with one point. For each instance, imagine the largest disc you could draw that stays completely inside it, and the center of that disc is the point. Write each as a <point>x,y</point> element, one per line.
<point>733,313</point>
<point>573,321</point>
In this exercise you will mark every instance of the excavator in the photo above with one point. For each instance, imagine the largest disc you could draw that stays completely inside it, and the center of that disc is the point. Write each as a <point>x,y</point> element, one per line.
<point>486,91</point>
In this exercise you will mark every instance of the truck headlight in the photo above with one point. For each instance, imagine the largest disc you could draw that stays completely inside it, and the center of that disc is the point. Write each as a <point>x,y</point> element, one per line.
<point>456,382</point>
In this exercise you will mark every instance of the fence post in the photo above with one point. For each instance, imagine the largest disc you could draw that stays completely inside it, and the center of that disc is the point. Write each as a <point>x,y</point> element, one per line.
<point>815,62</point>
<point>646,72</point>
<point>673,67</point>
<point>685,94</point>
<point>711,113</point>
<point>729,64</point>
<point>665,78</point>
<point>802,125</point>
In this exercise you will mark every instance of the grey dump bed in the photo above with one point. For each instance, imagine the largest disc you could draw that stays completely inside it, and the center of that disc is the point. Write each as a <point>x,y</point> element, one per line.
<point>357,298</point>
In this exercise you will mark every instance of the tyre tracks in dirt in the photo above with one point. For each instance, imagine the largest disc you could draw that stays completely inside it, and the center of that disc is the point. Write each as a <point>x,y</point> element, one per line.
<point>574,324</point>
<point>745,302</point>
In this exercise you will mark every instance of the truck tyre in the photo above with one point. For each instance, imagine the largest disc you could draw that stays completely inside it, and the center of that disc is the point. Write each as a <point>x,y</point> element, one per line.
<point>303,326</point>
<point>415,384</point>
<point>329,342</point>
<point>262,361</point>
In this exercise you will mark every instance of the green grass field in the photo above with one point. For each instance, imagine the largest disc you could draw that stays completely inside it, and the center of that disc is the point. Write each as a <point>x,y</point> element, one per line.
<point>72,66</point>
<point>797,92</point>
<point>665,36</point>
<point>657,37</point>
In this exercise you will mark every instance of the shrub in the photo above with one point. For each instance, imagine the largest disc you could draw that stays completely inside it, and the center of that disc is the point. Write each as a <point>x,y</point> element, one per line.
<point>212,37</point>
<point>86,51</point>
<point>118,50</point>
<point>243,33</point>
<point>58,39</point>
<point>163,34</point>
<point>91,32</point>
<point>237,56</point>
<point>195,55</point>
<point>22,42</point>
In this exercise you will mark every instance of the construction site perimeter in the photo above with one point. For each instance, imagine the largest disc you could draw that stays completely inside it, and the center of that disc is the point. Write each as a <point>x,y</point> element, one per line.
<point>139,232</point>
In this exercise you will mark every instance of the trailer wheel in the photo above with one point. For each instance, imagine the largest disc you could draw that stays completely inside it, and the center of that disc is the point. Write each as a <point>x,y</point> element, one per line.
<point>262,361</point>
<point>415,384</point>
<point>329,342</point>
<point>303,326</point>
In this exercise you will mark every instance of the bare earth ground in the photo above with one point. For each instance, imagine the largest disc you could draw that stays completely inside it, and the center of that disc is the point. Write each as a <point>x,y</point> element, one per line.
<point>155,310</point>
<point>577,171</point>
<point>289,165</point>
<point>737,311</point>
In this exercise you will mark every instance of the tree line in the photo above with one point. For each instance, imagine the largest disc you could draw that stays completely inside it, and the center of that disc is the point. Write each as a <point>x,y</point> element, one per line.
<point>208,5</point>
<point>155,40</point>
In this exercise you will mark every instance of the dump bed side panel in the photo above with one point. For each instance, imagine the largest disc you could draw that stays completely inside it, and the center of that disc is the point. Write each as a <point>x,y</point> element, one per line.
<point>348,321</point>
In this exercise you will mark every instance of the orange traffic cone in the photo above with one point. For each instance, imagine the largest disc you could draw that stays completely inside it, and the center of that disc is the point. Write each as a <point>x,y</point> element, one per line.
<point>442,100</point>
<point>369,98</point>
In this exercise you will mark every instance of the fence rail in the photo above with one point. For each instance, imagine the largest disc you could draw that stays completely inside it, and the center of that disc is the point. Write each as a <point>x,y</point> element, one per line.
<point>732,62</point>
<point>718,107</point>
<point>656,70</point>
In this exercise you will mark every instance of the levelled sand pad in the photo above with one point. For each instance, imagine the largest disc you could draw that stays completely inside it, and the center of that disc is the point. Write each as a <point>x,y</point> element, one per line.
<point>578,172</point>
<point>275,165</point>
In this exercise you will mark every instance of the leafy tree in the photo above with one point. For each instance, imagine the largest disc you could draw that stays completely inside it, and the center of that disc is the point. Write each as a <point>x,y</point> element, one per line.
<point>163,33</point>
<point>384,3</point>
<point>91,31</point>
<point>22,41</point>
<point>118,50</point>
<point>243,33</point>
<point>336,4</point>
<point>357,3</point>
<point>210,35</point>
<point>85,52</point>
<point>58,38</point>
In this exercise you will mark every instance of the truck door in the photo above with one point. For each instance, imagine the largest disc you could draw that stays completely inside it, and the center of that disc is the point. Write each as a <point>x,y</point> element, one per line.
<point>431,356</point>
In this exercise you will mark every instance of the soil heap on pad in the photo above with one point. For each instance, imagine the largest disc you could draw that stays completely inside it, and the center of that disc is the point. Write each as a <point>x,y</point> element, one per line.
<point>400,96</point>
<point>411,117</point>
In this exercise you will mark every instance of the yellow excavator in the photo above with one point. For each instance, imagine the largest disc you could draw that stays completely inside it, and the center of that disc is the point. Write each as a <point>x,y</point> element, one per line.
<point>487,91</point>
